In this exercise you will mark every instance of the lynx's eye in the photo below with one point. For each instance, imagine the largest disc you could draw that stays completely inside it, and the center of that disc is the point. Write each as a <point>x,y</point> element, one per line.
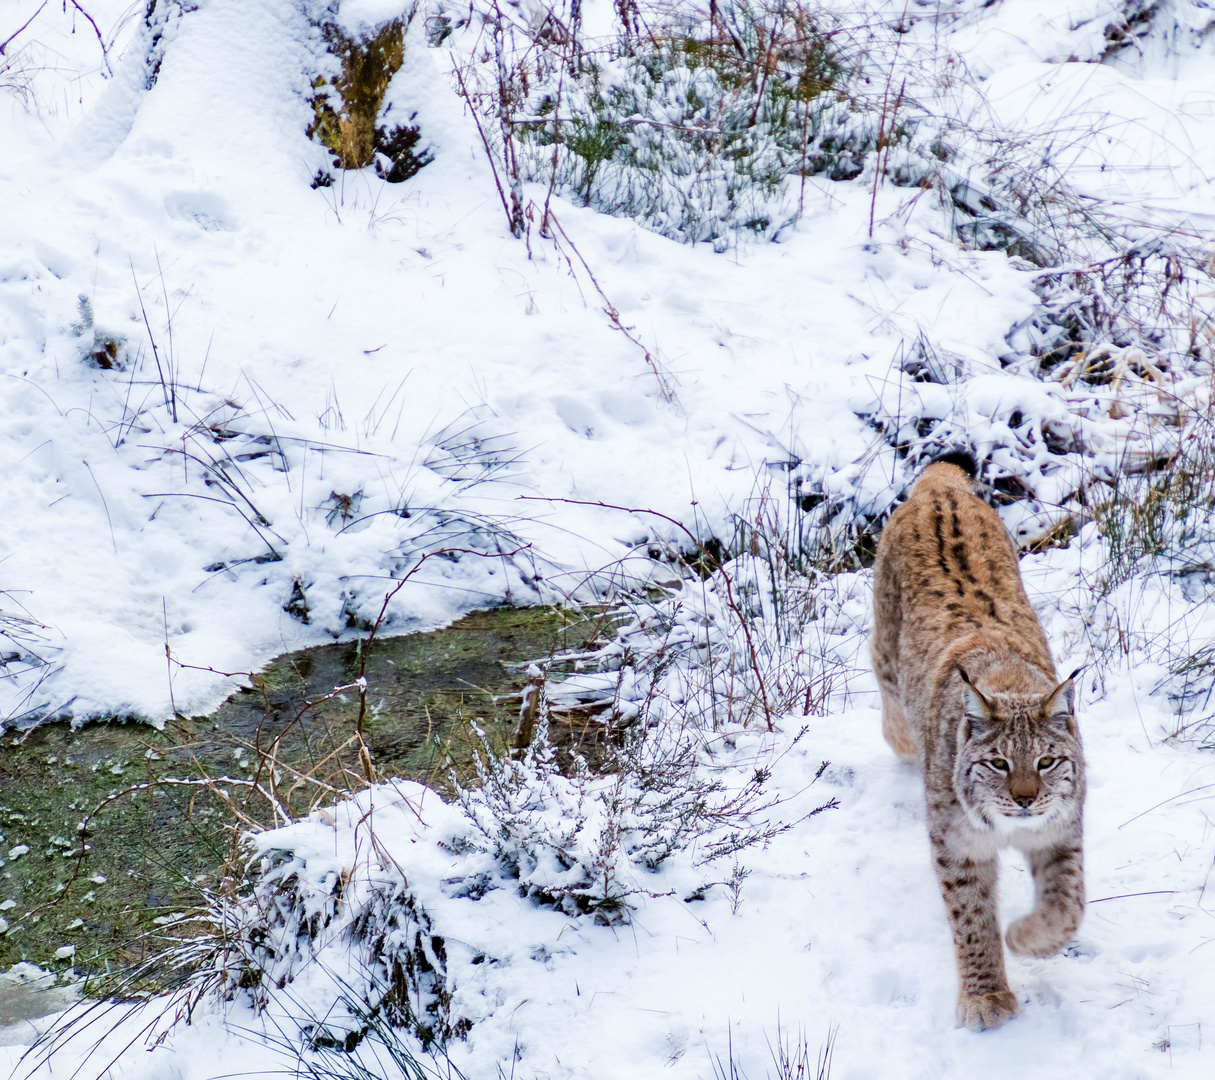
<point>999,764</point>
<point>1046,762</point>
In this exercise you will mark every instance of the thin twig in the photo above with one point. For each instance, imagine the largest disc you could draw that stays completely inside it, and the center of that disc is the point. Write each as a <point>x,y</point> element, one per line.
<point>8,40</point>
<point>366,644</point>
<point>485,142</point>
<point>151,338</point>
<point>660,372</point>
<point>105,52</point>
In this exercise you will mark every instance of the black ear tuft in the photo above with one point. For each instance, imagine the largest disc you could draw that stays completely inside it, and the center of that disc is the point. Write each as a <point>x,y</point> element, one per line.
<point>963,459</point>
<point>978,708</point>
<point>1060,703</point>
<point>979,715</point>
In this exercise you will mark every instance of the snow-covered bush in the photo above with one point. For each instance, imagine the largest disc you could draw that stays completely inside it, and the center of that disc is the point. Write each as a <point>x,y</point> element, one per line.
<point>689,121</point>
<point>1149,26</point>
<point>586,840</point>
<point>755,640</point>
<point>1109,376</point>
<point>1109,379</point>
<point>684,671</point>
<point>694,126</point>
<point>326,910</point>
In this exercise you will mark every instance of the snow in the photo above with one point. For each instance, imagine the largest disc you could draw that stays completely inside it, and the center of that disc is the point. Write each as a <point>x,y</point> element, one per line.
<point>336,323</point>
<point>351,341</point>
<point>839,929</point>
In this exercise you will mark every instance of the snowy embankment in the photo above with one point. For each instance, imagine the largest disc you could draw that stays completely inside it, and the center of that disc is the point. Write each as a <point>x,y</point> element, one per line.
<point>396,347</point>
<point>310,387</point>
<point>329,360</point>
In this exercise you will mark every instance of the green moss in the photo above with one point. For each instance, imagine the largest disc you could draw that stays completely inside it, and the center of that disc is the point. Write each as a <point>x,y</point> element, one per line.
<point>345,111</point>
<point>152,852</point>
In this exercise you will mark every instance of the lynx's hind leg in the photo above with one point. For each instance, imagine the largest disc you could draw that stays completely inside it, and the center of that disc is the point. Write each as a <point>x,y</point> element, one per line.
<point>896,730</point>
<point>884,651</point>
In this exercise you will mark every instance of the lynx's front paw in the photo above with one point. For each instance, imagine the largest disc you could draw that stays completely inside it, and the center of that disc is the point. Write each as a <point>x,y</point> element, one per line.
<point>984,1011</point>
<point>1039,934</point>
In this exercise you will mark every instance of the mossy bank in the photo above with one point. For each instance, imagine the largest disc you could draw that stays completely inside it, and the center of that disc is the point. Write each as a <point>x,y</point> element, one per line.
<point>90,899</point>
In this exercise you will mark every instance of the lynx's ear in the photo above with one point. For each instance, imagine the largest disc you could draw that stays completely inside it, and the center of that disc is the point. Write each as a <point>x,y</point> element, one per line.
<point>1060,705</point>
<point>979,714</point>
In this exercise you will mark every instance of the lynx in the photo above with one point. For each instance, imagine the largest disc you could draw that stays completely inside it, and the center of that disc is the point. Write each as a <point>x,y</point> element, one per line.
<point>969,692</point>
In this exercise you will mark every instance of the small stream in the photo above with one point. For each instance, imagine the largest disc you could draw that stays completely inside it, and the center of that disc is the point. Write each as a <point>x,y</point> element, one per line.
<point>90,903</point>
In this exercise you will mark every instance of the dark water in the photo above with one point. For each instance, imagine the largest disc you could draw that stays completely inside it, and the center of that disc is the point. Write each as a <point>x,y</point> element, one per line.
<point>152,851</point>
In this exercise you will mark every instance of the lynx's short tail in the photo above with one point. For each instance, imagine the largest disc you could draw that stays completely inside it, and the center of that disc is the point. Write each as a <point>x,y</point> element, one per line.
<point>963,459</point>
<point>957,469</point>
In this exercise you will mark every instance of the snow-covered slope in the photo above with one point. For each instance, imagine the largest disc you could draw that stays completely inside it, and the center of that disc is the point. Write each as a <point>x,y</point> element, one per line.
<point>315,385</point>
<point>330,342</point>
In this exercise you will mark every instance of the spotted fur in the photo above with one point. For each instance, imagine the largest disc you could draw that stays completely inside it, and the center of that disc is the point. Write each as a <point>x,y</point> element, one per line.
<point>969,691</point>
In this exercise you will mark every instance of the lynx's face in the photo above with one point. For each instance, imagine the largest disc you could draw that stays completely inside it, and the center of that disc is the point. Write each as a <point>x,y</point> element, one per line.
<point>1019,759</point>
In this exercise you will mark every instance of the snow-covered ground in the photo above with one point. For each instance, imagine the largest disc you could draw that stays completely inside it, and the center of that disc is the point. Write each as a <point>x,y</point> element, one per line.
<point>301,366</point>
<point>838,930</point>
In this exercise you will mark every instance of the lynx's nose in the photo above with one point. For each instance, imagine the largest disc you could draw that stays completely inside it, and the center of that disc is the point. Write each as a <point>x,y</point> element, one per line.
<point>1023,791</point>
